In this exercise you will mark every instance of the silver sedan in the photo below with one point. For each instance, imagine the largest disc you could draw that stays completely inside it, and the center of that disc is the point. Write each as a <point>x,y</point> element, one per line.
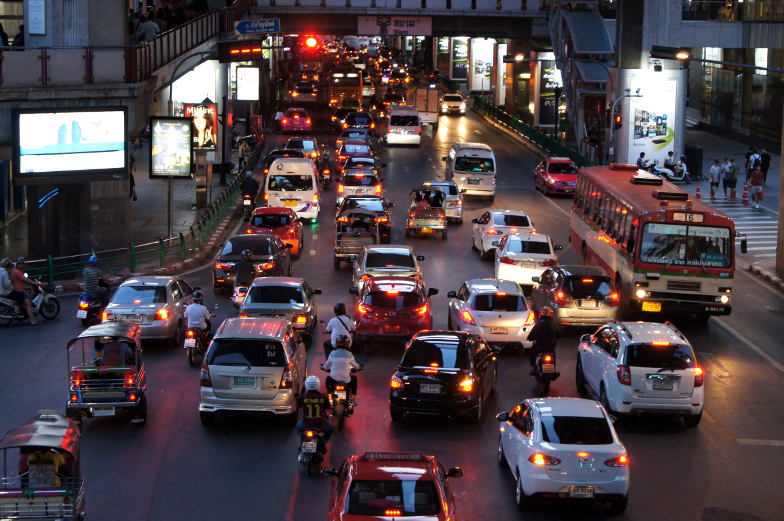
<point>289,297</point>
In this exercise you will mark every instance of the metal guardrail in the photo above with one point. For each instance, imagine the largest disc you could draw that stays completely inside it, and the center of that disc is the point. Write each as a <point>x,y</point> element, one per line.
<point>156,253</point>
<point>546,142</point>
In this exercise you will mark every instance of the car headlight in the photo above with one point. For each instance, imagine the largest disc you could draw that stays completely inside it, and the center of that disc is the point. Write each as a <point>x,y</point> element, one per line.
<point>641,293</point>
<point>724,299</point>
<point>462,106</point>
<point>444,106</point>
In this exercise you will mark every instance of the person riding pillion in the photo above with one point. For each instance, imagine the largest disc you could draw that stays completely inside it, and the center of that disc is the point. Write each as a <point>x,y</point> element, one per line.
<point>339,365</point>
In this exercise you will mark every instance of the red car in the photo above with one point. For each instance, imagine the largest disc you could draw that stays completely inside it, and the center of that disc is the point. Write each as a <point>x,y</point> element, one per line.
<point>393,308</point>
<point>556,175</point>
<point>351,148</point>
<point>392,485</point>
<point>278,221</point>
<point>295,120</point>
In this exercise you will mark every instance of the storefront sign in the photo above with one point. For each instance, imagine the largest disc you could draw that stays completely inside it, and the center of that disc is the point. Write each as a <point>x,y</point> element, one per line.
<point>549,79</point>
<point>171,147</point>
<point>459,67</point>
<point>394,25</point>
<point>205,124</point>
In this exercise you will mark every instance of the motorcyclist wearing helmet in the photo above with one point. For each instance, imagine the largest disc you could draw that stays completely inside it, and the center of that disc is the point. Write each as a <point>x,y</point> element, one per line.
<point>20,281</point>
<point>544,336</point>
<point>340,324</point>
<point>94,281</point>
<point>250,186</point>
<point>314,406</point>
<point>245,271</point>
<point>7,290</point>
<point>339,365</point>
<point>197,314</point>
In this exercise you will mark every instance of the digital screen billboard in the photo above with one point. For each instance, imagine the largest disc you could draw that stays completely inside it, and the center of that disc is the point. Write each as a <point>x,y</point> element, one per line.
<point>459,58</point>
<point>171,147</point>
<point>204,117</point>
<point>248,83</point>
<point>63,143</point>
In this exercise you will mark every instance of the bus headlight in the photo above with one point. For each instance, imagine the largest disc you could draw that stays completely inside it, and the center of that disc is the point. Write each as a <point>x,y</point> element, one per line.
<point>641,293</point>
<point>724,299</point>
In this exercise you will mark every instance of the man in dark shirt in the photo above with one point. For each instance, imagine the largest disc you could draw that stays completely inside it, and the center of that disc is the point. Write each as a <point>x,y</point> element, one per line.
<point>244,270</point>
<point>314,406</point>
<point>544,336</point>
<point>765,164</point>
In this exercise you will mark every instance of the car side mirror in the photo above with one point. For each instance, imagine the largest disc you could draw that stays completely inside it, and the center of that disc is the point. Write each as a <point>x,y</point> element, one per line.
<point>451,294</point>
<point>317,291</point>
<point>353,290</point>
<point>744,246</point>
<point>432,291</point>
<point>558,247</point>
<point>454,472</point>
<point>329,471</point>
<point>420,257</point>
<point>475,221</point>
<point>585,339</point>
<point>502,416</point>
<point>613,419</point>
<point>535,279</point>
<point>494,243</point>
<point>390,205</point>
<point>288,246</point>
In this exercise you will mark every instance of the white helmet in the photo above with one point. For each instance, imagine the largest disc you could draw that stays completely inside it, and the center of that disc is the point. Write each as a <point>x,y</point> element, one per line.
<point>312,383</point>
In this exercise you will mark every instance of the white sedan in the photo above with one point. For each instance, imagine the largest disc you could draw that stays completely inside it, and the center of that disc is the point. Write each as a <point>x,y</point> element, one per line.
<point>523,256</point>
<point>494,224</point>
<point>564,448</point>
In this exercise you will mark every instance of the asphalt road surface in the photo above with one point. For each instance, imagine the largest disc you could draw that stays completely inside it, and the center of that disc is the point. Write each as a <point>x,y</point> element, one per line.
<point>245,468</point>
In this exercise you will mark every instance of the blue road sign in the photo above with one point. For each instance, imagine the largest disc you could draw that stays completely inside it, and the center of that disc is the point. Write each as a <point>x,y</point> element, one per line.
<point>265,26</point>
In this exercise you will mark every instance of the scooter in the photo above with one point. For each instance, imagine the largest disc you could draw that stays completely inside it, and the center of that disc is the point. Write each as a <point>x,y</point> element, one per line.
<point>545,372</point>
<point>682,175</point>
<point>342,406</point>
<point>89,308</point>
<point>45,305</point>
<point>247,205</point>
<point>326,177</point>
<point>311,450</point>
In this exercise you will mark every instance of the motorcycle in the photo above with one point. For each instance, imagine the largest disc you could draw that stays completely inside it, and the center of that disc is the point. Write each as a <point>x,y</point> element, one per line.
<point>342,406</point>
<point>676,177</point>
<point>45,305</point>
<point>326,177</point>
<point>238,297</point>
<point>89,308</point>
<point>195,344</point>
<point>311,450</point>
<point>247,205</point>
<point>544,371</point>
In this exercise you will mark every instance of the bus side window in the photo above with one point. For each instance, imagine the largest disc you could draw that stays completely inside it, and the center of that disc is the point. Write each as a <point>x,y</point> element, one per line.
<point>631,234</point>
<point>578,197</point>
<point>620,219</point>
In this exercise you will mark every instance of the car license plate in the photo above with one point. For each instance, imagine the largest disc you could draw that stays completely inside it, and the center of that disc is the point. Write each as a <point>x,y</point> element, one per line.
<point>103,411</point>
<point>568,190</point>
<point>651,306</point>
<point>587,303</point>
<point>548,368</point>
<point>341,395</point>
<point>473,181</point>
<point>309,447</point>
<point>190,342</point>
<point>82,313</point>
<point>662,385</point>
<point>246,202</point>
<point>244,381</point>
<point>425,229</point>
<point>499,330</point>
<point>430,388</point>
<point>581,492</point>
<point>289,204</point>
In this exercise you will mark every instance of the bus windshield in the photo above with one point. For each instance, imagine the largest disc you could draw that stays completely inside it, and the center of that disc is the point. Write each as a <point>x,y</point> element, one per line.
<point>685,245</point>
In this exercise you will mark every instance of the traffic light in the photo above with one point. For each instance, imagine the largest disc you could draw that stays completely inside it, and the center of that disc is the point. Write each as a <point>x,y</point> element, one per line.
<point>618,121</point>
<point>240,50</point>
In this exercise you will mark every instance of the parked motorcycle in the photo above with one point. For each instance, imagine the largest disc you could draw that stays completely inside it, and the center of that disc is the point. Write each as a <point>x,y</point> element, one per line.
<point>682,175</point>
<point>45,305</point>
<point>545,370</point>
<point>311,450</point>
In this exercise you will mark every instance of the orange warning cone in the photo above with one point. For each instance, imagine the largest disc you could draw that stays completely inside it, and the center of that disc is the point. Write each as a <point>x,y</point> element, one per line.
<point>698,195</point>
<point>746,194</point>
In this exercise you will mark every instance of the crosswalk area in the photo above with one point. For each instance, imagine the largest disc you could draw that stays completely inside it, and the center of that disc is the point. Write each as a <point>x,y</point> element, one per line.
<point>759,226</point>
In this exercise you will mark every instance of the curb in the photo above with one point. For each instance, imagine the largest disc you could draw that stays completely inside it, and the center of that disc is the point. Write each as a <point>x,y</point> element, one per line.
<point>767,276</point>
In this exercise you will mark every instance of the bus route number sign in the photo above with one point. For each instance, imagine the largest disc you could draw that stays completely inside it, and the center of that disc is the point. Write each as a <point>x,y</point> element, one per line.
<point>688,217</point>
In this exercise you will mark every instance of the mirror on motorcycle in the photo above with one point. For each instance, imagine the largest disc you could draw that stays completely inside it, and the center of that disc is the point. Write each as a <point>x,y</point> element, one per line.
<point>451,294</point>
<point>329,471</point>
<point>353,290</point>
<point>502,416</point>
<point>475,221</point>
<point>390,205</point>
<point>432,291</point>
<point>535,279</point>
<point>558,247</point>
<point>585,339</point>
<point>317,291</point>
<point>454,472</point>
<point>420,258</point>
<point>613,419</point>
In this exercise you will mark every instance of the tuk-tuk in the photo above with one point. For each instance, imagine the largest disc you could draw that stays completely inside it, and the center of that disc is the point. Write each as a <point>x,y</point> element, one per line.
<point>106,373</point>
<point>426,211</point>
<point>41,477</point>
<point>356,228</point>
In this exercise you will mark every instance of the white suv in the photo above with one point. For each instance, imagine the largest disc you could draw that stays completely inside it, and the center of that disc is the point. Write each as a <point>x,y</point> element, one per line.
<point>642,368</point>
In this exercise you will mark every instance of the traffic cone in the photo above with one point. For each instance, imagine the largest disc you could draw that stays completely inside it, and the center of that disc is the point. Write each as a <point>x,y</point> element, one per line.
<point>698,195</point>
<point>746,194</point>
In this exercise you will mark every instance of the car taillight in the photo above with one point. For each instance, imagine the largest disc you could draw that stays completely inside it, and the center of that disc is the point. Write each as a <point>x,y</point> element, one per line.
<point>362,309</point>
<point>162,314</point>
<point>491,231</point>
<point>248,230</point>
<point>620,461</point>
<point>264,266</point>
<point>342,158</point>
<point>530,319</point>
<point>315,198</point>
<point>378,189</point>
<point>314,155</point>
<point>382,220</point>
<point>395,382</point>
<point>421,310</point>
<point>561,297</point>
<point>345,125</point>
<point>392,513</point>
<point>307,121</point>
<point>266,197</point>
<point>624,375</point>
<point>507,260</point>
<point>467,317</point>
<point>614,298</point>
<point>340,189</point>
<point>286,382</point>
<point>84,305</point>
<point>549,262</point>
<point>543,460</point>
<point>76,379</point>
<point>699,377</point>
<point>204,377</point>
<point>222,266</point>
<point>372,125</point>
<point>105,316</point>
<point>301,319</point>
<point>284,121</point>
<point>466,385</point>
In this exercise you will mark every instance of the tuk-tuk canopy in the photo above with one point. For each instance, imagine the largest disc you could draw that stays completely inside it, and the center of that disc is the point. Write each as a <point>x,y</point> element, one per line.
<point>426,188</point>
<point>47,429</point>
<point>358,212</point>
<point>118,329</point>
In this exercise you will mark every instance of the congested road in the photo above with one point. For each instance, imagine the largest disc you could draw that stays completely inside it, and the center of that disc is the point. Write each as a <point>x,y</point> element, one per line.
<point>245,468</point>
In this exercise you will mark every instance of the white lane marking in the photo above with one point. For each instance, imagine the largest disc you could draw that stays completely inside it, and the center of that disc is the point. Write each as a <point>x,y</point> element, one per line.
<point>748,343</point>
<point>761,443</point>
<point>312,252</point>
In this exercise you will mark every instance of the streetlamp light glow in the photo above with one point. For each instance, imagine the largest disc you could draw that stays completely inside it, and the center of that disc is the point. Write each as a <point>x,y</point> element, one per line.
<point>519,57</point>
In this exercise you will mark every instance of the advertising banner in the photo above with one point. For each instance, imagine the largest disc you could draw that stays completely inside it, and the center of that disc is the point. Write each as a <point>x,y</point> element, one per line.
<point>248,83</point>
<point>442,45</point>
<point>459,67</point>
<point>205,124</point>
<point>481,64</point>
<point>171,147</point>
<point>394,25</point>
<point>549,79</point>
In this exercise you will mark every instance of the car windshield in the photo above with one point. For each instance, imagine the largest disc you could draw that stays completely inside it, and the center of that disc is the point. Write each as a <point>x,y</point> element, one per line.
<point>576,430</point>
<point>360,180</point>
<point>275,295</point>
<point>511,220</point>
<point>433,352</point>
<point>676,356</point>
<point>358,119</point>
<point>398,498</point>
<point>246,352</point>
<point>270,220</point>
<point>389,260</point>
<point>588,287</point>
<point>520,246</point>
<point>374,205</point>
<point>140,295</point>
<point>685,245</point>
<point>562,168</point>
<point>473,164</point>
<point>452,98</point>
<point>498,302</point>
<point>301,144</point>
<point>256,245</point>
<point>404,121</point>
<point>353,134</point>
<point>290,183</point>
<point>355,149</point>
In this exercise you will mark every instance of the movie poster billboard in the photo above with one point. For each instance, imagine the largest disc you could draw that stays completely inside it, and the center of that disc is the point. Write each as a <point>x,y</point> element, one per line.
<point>549,80</point>
<point>205,124</point>
<point>459,67</point>
<point>481,64</point>
<point>171,147</point>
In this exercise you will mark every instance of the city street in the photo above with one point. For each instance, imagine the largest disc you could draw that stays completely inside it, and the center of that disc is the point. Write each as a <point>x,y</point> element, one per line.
<point>245,467</point>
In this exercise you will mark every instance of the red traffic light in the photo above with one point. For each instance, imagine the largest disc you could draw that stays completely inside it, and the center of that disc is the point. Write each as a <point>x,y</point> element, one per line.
<point>311,42</point>
<point>618,122</point>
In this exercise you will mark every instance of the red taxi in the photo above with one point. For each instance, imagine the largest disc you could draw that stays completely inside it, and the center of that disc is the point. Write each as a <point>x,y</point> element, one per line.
<point>392,485</point>
<point>295,120</point>
<point>556,175</point>
<point>278,221</point>
<point>392,308</point>
<point>351,148</point>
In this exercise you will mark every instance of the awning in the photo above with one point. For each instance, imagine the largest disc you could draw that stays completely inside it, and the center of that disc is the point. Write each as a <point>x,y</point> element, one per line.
<point>591,72</point>
<point>588,32</point>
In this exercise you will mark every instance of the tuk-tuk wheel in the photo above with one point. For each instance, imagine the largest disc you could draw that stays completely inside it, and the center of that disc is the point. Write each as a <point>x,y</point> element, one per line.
<point>141,411</point>
<point>408,233</point>
<point>336,264</point>
<point>459,220</point>
<point>74,415</point>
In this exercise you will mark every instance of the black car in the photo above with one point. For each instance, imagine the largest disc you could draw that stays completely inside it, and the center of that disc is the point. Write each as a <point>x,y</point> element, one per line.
<point>368,163</point>
<point>378,205</point>
<point>359,120</point>
<point>339,117</point>
<point>281,152</point>
<point>444,373</point>
<point>270,255</point>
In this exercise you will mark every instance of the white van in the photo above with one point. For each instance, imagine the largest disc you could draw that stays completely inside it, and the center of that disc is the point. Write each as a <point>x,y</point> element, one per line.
<point>292,182</point>
<point>404,126</point>
<point>471,166</point>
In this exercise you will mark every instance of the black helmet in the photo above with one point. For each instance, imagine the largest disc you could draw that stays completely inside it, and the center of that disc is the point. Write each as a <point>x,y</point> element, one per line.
<point>198,296</point>
<point>246,254</point>
<point>340,308</point>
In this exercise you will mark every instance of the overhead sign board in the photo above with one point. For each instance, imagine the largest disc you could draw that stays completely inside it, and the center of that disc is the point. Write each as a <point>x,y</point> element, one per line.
<point>240,50</point>
<point>394,25</point>
<point>263,26</point>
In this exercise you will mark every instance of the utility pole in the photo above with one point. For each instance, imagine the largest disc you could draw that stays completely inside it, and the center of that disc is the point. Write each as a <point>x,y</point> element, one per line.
<point>780,241</point>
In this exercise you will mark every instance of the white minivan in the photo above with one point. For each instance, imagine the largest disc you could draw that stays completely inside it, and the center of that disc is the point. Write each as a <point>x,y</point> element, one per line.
<point>404,126</point>
<point>472,168</point>
<point>292,182</point>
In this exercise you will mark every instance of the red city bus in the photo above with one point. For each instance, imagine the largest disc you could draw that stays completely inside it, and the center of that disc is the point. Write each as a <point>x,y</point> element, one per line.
<point>667,253</point>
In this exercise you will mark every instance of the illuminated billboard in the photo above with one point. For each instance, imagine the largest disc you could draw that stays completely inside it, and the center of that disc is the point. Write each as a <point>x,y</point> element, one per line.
<point>248,83</point>
<point>204,117</point>
<point>171,147</point>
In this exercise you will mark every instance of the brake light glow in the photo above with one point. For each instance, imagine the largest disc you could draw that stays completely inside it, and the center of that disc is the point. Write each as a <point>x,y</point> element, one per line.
<point>129,380</point>
<point>382,220</point>
<point>491,231</point>
<point>309,434</point>
<point>301,319</point>
<point>83,305</point>
<point>543,460</point>
<point>548,358</point>
<point>660,344</point>
<point>393,293</point>
<point>467,317</point>
<point>222,266</point>
<point>104,316</point>
<point>582,454</point>
<point>307,121</point>
<point>284,121</point>
<point>76,379</point>
<point>422,310</point>
<point>190,333</point>
<point>286,381</point>
<point>620,461</point>
<point>624,375</point>
<point>392,513</point>
<point>378,189</point>
<point>614,298</point>
<point>162,314</point>
<point>587,281</point>
<point>549,262</point>
<point>340,191</point>
<point>395,382</point>
<point>699,377</point>
<point>315,198</point>
<point>362,309</point>
<point>466,385</point>
<point>560,298</point>
<point>204,377</point>
<point>506,260</point>
<point>530,320</point>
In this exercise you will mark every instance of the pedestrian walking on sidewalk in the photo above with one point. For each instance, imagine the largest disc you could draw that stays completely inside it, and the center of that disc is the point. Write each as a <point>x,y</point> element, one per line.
<point>731,178</point>
<point>131,179</point>
<point>714,176</point>
<point>753,162</point>
<point>765,163</point>
<point>725,168</point>
<point>756,180</point>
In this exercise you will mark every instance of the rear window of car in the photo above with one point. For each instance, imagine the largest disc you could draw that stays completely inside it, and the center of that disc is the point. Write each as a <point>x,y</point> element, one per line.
<point>675,356</point>
<point>562,168</point>
<point>588,287</point>
<point>496,302</point>
<point>140,295</point>
<point>355,149</point>
<point>411,497</point>
<point>473,164</point>
<point>358,119</point>
<point>373,205</point>
<point>453,98</point>
<point>257,246</point>
<point>393,300</point>
<point>270,220</point>
<point>404,121</point>
<point>576,430</point>
<point>360,180</point>
<point>520,246</point>
<point>447,188</point>
<point>353,134</point>
<point>301,144</point>
<point>389,260</point>
<point>360,161</point>
<point>242,352</point>
<point>297,113</point>
<point>290,183</point>
<point>275,295</point>
<point>304,87</point>
<point>511,220</point>
<point>428,351</point>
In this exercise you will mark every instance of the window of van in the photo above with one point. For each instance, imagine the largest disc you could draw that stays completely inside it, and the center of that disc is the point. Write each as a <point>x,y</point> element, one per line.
<point>241,352</point>
<point>474,164</point>
<point>360,180</point>
<point>403,121</point>
<point>290,183</point>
